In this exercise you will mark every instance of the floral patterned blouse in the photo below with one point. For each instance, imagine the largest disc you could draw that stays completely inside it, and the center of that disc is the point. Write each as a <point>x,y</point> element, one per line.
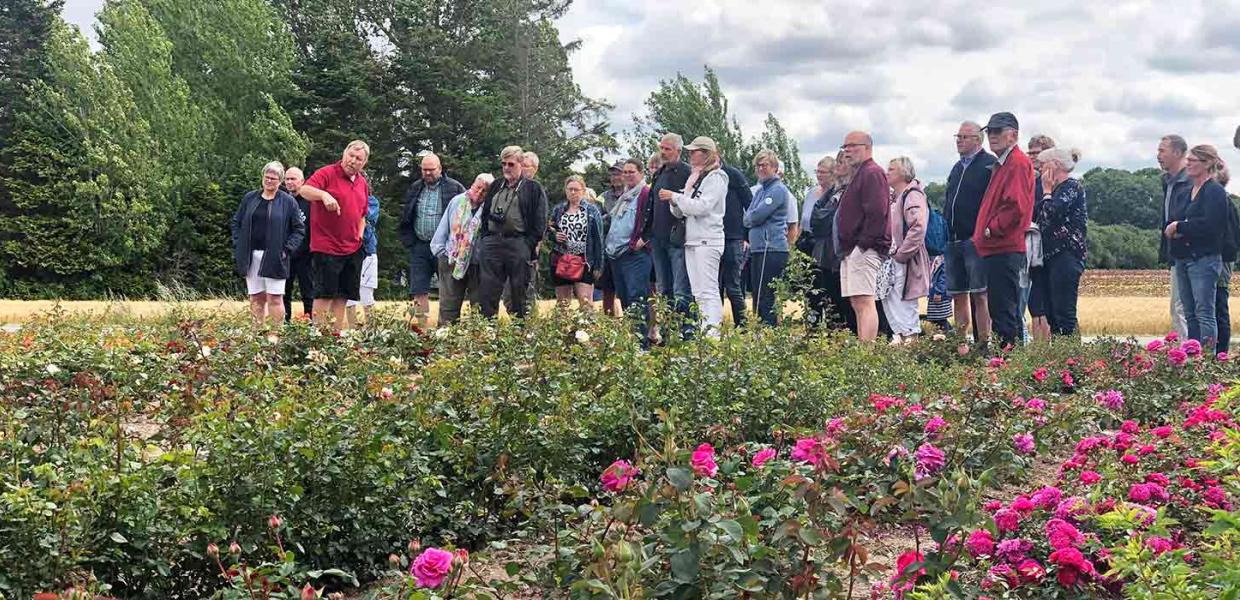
<point>1061,218</point>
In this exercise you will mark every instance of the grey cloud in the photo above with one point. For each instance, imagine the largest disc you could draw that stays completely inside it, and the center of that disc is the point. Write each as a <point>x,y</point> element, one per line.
<point>1165,106</point>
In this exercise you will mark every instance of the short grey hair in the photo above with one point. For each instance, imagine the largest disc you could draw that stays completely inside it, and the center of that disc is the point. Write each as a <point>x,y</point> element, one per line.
<point>1176,143</point>
<point>768,155</point>
<point>486,178</point>
<point>674,138</point>
<point>974,125</point>
<point>1064,157</point>
<point>513,152</point>
<point>530,156</point>
<point>904,165</point>
<point>274,167</point>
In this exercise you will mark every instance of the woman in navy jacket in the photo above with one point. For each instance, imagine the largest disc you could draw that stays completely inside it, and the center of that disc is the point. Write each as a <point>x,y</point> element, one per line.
<point>267,229</point>
<point>1196,234</point>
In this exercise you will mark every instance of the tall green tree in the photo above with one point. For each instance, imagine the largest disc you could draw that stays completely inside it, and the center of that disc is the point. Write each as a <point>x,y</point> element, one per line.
<point>81,203</point>
<point>691,109</point>
<point>1119,197</point>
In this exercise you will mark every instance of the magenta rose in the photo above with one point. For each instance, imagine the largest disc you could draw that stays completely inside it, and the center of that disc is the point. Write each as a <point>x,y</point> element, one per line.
<point>618,476</point>
<point>431,567</point>
<point>1024,443</point>
<point>703,461</point>
<point>980,543</point>
<point>762,456</point>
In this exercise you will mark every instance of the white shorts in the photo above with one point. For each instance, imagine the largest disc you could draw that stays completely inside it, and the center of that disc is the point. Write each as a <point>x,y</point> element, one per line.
<point>859,273</point>
<point>370,282</point>
<point>254,284</point>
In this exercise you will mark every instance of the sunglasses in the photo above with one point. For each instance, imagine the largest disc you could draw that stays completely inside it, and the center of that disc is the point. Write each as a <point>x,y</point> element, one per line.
<point>511,164</point>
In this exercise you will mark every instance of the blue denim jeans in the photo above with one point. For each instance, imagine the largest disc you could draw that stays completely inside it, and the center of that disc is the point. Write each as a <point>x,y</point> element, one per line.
<point>1197,279</point>
<point>630,274</point>
<point>730,279</point>
<point>766,267</point>
<point>673,278</point>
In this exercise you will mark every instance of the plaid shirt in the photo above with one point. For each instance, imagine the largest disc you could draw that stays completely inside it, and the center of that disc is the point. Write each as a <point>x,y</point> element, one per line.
<point>429,213</point>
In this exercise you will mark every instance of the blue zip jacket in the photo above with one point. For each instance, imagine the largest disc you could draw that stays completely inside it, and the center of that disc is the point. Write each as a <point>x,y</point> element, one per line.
<point>370,239</point>
<point>594,234</point>
<point>767,217</point>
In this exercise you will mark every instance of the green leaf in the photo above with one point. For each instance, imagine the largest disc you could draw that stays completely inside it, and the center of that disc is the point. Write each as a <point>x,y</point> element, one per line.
<point>685,565</point>
<point>680,478</point>
<point>733,529</point>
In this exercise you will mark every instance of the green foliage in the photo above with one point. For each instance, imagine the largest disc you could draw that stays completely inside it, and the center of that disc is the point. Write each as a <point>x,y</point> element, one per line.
<point>1121,246</point>
<point>1119,197</point>
<point>692,109</point>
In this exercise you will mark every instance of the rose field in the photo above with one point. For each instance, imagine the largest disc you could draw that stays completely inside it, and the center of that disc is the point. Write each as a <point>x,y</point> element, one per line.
<point>187,455</point>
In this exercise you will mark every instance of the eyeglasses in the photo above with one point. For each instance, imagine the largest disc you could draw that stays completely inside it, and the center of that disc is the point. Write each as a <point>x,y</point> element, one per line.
<point>511,164</point>
<point>854,145</point>
<point>969,136</point>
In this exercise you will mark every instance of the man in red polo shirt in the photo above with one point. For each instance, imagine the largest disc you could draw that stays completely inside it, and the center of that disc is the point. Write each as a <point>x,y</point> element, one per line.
<point>1005,213</point>
<point>338,198</point>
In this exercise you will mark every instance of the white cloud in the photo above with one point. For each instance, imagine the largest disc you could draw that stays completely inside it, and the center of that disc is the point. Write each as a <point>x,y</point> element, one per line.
<point>1106,76</point>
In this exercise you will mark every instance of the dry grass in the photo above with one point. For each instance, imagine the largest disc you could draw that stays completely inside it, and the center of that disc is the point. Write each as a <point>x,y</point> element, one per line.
<point>1111,303</point>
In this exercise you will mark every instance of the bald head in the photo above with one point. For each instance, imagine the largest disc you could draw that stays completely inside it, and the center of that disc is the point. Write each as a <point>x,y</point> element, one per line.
<point>293,178</point>
<point>858,147</point>
<point>431,168</point>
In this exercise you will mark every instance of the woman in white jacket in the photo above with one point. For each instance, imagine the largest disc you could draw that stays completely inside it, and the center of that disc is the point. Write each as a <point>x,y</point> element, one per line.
<point>702,204</point>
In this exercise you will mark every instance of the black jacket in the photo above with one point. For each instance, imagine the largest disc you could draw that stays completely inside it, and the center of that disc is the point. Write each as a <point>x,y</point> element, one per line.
<point>739,197</point>
<point>303,251</point>
<point>1203,223</point>
<point>533,202</point>
<point>1176,204</point>
<point>449,188</point>
<point>671,176</point>
<point>965,189</point>
<point>285,232</point>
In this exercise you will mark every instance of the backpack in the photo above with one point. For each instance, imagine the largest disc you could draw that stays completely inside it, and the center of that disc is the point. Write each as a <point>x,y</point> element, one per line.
<point>936,229</point>
<point>936,233</point>
<point>1231,237</point>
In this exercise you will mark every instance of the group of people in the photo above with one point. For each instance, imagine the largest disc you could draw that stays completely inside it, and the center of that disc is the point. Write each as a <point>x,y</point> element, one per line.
<point>1011,238</point>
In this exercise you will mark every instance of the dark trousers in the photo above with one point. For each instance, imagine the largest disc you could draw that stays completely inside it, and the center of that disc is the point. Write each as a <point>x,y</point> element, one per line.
<point>630,274</point>
<point>828,306</point>
<point>1222,315</point>
<point>504,259</point>
<point>763,269</point>
<point>1003,291</point>
<point>453,292</point>
<point>730,266</point>
<point>299,270</point>
<point>1063,278</point>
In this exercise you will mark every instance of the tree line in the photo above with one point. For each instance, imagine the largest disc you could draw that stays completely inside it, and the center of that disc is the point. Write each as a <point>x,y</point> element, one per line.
<point>121,165</point>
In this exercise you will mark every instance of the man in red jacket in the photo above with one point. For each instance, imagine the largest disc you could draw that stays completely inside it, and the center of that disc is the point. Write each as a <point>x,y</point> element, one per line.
<point>865,238</point>
<point>1007,209</point>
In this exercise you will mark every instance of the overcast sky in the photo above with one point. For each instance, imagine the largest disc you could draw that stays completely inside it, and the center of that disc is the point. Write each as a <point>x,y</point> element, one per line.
<point>1107,76</point>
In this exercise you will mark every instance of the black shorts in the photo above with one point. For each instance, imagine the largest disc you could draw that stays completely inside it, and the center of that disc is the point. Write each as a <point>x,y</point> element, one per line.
<point>337,277</point>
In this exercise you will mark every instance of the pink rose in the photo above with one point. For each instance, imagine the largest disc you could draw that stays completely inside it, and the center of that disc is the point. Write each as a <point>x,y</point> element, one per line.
<point>1007,520</point>
<point>1155,345</point>
<point>811,450</point>
<point>935,425</point>
<point>1158,544</point>
<point>1047,497</point>
<point>1040,374</point>
<point>1090,477</point>
<point>762,456</point>
<point>431,567</point>
<point>1013,551</point>
<point>618,476</point>
<point>1061,534</point>
<point>1171,337</point>
<point>1130,459</point>
<point>703,461</point>
<point>1024,443</point>
<point>980,543</point>
<point>1023,505</point>
<point>996,362</point>
<point>1222,357</point>
<point>1191,347</point>
<point>1112,399</point>
<point>1162,432</point>
<point>930,460</point>
<point>1177,357</point>
<point>1030,571</point>
<point>1130,427</point>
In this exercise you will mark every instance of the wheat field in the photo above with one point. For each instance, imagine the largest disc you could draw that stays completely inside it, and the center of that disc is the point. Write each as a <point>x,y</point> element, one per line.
<point>1111,303</point>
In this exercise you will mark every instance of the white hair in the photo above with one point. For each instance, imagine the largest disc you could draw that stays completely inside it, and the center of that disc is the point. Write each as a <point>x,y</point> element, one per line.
<point>274,167</point>
<point>1064,157</point>
<point>486,178</point>
<point>904,165</point>
<point>674,138</point>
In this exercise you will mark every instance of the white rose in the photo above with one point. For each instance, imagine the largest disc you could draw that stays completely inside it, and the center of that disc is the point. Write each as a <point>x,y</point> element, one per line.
<point>52,369</point>
<point>582,336</point>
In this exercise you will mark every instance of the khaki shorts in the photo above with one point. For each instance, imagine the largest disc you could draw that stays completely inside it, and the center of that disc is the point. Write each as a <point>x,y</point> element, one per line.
<point>859,273</point>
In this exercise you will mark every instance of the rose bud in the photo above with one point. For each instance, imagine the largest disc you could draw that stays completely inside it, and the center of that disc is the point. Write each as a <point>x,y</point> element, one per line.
<point>275,522</point>
<point>394,561</point>
<point>234,549</point>
<point>309,593</point>
<point>212,550</point>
